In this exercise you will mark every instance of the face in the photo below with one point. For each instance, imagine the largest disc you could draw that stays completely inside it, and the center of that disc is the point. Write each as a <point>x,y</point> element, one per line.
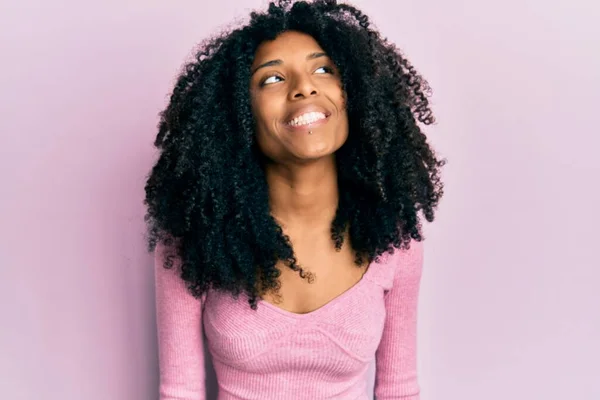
<point>297,100</point>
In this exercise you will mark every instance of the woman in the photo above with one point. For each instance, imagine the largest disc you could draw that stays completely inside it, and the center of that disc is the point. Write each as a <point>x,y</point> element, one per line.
<point>285,206</point>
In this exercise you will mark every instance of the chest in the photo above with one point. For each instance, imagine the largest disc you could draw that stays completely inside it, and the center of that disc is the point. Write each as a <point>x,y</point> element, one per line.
<point>331,275</point>
<point>346,332</point>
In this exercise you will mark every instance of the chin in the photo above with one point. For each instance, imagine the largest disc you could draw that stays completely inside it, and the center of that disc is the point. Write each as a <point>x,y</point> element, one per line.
<point>302,149</point>
<point>313,154</point>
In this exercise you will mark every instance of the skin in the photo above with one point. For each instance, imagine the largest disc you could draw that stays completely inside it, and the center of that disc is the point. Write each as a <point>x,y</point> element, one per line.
<point>301,170</point>
<point>291,73</point>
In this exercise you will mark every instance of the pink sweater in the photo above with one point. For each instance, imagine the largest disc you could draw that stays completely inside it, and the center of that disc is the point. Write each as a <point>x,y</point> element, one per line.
<point>271,353</point>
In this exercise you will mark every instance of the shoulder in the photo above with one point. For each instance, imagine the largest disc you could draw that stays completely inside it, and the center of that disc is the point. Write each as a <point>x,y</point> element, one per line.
<point>409,261</point>
<point>166,250</point>
<point>168,271</point>
<point>402,264</point>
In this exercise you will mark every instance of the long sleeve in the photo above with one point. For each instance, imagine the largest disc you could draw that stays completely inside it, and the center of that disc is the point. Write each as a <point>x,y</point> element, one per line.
<point>396,358</point>
<point>179,327</point>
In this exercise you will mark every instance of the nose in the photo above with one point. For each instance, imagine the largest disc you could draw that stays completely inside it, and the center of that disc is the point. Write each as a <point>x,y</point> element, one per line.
<point>303,87</point>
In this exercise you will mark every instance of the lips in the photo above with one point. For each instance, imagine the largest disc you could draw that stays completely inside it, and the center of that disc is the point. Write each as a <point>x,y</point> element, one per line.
<point>308,113</point>
<point>307,118</point>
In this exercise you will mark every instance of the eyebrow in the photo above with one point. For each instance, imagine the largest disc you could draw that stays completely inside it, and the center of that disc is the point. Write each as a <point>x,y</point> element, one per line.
<point>271,63</point>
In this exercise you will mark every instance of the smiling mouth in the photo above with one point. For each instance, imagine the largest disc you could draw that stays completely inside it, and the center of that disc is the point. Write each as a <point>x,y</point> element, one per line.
<point>307,119</point>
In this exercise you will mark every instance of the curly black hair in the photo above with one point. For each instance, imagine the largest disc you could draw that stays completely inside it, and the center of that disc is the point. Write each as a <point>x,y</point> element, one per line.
<point>207,194</point>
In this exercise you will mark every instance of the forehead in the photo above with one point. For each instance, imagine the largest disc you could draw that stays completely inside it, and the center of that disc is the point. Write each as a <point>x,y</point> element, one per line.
<point>286,45</point>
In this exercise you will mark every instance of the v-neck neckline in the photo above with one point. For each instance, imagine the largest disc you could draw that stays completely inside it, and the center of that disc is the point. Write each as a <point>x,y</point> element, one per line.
<point>348,292</point>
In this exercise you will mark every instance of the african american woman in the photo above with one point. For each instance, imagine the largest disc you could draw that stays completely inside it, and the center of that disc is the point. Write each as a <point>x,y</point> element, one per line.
<point>284,211</point>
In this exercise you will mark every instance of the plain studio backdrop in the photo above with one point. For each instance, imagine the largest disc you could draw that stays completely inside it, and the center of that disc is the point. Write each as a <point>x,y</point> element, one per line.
<point>510,304</point>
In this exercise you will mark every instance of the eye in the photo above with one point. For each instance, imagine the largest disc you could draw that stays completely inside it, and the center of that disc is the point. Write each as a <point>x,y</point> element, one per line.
<point>271,79</point>
<point>326,69</point>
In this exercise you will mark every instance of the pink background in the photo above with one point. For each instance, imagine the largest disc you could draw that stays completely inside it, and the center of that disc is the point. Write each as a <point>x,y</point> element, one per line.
<point>509,307</point>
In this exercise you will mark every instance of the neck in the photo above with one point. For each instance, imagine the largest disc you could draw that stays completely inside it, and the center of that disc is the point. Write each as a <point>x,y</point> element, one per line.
<point>303,195</point>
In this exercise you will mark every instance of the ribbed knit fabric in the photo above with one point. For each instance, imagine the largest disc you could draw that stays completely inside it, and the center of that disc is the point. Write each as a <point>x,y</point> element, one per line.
<point>273,354</point>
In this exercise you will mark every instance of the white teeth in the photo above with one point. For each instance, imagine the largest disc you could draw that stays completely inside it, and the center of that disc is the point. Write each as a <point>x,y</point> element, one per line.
<point>307,118</point>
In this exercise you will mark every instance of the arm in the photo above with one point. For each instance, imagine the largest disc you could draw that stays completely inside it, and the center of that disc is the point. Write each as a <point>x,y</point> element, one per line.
<point>396,359</point>
<point>180,342</point>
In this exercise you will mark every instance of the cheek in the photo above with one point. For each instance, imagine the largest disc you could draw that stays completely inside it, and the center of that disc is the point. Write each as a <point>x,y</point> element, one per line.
<point>342,99</point>
<point>338,95</point>
<point>261,125</point>
<point>263,122</point>
<point>341,104</point>
<point>264,109</point>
